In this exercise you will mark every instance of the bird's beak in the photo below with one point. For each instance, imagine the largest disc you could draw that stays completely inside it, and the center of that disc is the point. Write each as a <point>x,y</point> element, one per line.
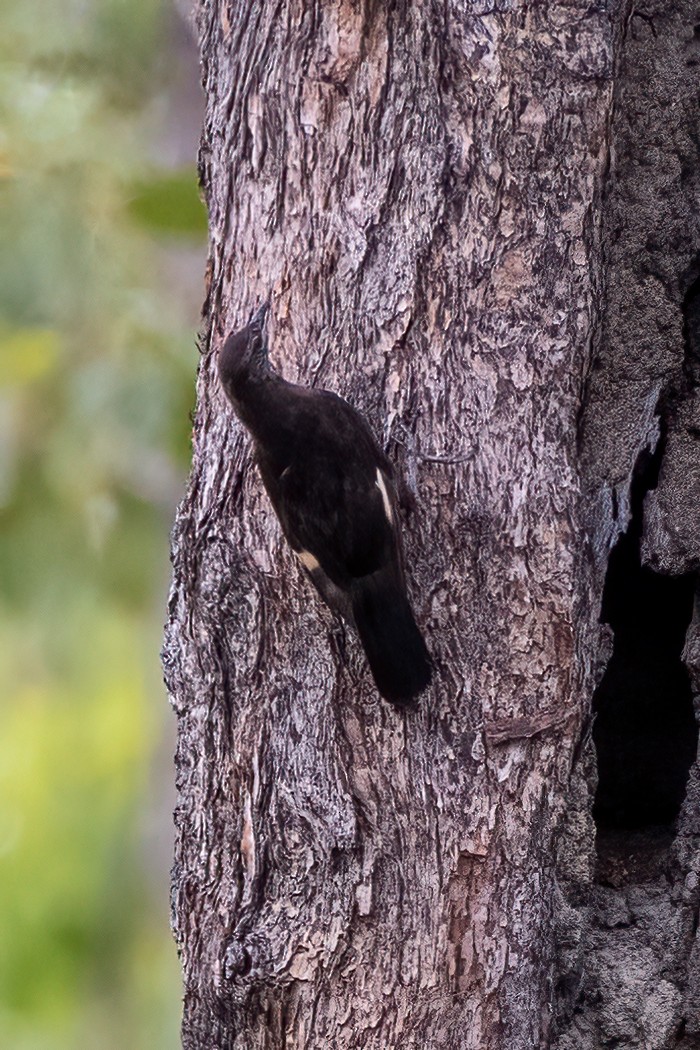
<point>258,319</point>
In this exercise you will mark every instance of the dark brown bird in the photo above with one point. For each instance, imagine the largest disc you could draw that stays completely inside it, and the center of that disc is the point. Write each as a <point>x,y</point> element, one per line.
<point>332,490</point>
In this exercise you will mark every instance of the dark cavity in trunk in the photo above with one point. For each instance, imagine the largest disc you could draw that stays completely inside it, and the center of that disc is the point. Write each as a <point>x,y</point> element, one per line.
<point>645,731</point>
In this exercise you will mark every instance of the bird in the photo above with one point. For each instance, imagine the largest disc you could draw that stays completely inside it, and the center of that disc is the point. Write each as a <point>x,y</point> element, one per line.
<point>332,489</point>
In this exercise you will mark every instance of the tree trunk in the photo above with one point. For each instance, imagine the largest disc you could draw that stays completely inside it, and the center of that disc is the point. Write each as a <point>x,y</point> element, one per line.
<point>479,224</point>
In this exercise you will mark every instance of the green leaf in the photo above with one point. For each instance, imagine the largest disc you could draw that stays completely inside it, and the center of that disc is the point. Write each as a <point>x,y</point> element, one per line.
<point>27,354</point>
<point>169,203</point>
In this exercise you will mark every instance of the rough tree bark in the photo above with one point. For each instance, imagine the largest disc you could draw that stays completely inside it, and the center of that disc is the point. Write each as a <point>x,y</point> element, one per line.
<point>479,224</point>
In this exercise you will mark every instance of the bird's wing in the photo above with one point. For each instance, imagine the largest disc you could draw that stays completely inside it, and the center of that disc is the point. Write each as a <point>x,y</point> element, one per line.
<point>335,497</point>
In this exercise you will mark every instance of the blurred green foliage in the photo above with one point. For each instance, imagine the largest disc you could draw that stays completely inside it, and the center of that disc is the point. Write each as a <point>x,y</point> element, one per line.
<point>169,204</point>
<point>97,363</point>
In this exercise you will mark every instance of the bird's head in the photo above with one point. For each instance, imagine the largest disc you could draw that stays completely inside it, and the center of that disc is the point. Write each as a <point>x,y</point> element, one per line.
<point>243,356</point>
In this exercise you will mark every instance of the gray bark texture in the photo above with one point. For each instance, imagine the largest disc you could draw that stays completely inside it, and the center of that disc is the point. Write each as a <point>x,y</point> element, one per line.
<point>478,223</point>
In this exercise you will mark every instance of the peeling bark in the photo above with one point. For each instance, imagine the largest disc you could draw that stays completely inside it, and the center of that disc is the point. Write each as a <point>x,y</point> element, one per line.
<point>465,217</point>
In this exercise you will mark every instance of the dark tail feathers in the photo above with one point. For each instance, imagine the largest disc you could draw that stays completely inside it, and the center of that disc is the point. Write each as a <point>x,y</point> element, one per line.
<point>394,646</point>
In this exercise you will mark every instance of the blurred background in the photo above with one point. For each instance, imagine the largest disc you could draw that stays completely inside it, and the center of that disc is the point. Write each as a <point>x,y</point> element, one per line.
<point>103,245</point>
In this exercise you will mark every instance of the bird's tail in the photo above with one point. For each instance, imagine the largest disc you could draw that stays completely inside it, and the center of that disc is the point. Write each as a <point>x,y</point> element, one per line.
<point>394,646</point>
